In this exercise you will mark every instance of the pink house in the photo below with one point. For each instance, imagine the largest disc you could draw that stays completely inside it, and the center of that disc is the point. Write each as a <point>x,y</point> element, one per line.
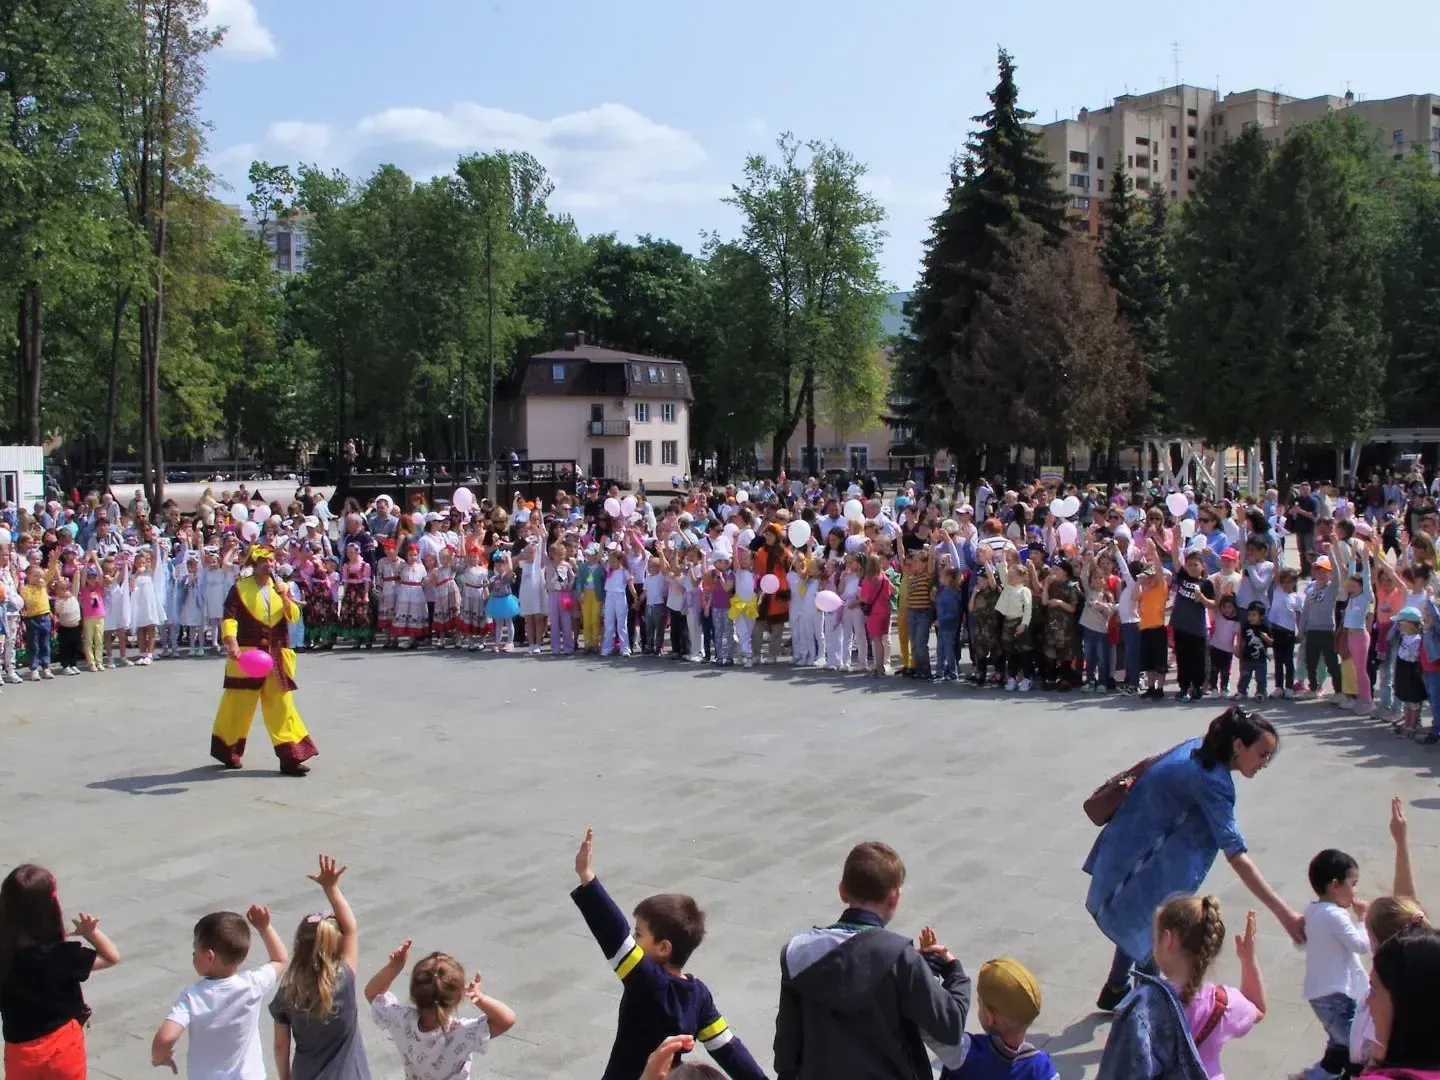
<point>620,416</point>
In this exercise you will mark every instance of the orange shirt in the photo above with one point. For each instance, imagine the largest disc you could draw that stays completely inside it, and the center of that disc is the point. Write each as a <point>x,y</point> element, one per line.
<point>1152,607</point>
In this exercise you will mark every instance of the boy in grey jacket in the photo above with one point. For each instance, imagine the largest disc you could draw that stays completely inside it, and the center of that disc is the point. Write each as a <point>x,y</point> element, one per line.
<point>858,1002</point>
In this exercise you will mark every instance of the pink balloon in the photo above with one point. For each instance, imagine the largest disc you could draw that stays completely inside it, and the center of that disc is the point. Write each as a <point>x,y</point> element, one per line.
<point>826,600</point>
<point>255,663</point>
<point>769,584</point>
<point>418,520</point>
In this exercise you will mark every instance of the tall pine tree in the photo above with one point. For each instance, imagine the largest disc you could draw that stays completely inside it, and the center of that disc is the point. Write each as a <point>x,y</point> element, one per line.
<point>1135,259</point>
<point>1002,182</point>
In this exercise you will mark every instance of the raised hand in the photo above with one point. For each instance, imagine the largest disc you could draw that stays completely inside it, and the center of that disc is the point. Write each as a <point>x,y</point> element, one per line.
<point>663,1059</point>
<point>584,858</point>
<point>472,990</point>
<point>401,956</point>
<point>930,945</point>
<point>329,875</point>
<point>1245,943</point>
<point>85,925</point>
<point>1398,826</point>
<point>258,916</point>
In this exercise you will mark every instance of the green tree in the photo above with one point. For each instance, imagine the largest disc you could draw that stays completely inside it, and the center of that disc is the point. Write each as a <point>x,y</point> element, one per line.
<point>816,235</point>
<point>1001,184</point>
<point>1134,255</point>
<point>1411,271</point>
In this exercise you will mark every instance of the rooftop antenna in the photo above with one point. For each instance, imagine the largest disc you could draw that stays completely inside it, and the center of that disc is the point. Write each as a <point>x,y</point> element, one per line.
<point>1175,51</point>
<point>1275,106</point>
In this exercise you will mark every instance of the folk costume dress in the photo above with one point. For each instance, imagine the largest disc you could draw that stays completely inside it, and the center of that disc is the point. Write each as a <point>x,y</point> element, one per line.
<point>355,602</point>
<point>258,617</point>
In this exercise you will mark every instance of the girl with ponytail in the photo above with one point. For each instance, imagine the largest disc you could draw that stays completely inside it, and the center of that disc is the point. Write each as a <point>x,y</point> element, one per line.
<point>1189,936</point>
<point>315,1008</point>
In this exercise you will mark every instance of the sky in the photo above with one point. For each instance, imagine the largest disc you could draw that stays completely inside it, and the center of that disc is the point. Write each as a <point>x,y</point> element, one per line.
<point>644,111</point>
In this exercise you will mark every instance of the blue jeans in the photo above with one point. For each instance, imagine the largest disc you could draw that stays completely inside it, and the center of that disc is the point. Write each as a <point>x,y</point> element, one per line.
<point>1432,691</point>
<point>1097,655</point>
<point>920,621</point>
<point>1255,668</point>
<point>1336,1012</point>
<point>37,641</point>
<point>1130,639</point>
<point>948,634</point>
<point>1122,967</point>
<point>724,635</point>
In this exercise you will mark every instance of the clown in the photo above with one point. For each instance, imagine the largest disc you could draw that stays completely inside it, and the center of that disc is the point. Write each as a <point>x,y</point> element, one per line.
<point>257,616</point>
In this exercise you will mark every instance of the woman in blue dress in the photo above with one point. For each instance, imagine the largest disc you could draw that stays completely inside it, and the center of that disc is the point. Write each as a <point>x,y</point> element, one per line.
<point>1163,840</point>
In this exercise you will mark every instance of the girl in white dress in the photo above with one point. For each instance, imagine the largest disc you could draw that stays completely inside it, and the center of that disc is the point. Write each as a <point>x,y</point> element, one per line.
<point>388,574</point>
<point>117,606</point>
<point>474,591</point>
<point>412,613</point>
<point>445,608</point>
<point>188,585</point>
<point>217,575</point>
<point>147,605</point>
<point>532,591</point>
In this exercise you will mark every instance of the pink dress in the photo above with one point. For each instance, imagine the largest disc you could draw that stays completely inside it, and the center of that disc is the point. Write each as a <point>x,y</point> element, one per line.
<point>1240,1016</point>
<point>876,592</point>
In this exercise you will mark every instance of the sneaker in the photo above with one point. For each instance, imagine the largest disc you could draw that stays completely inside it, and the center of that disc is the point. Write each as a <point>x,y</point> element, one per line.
<point>1110,998</point>
<point>13,677</point>
<point>70,671</point>
<point>1260,695</point>
<point>1289,694</point>
<point>46,673</point>
<point>1087,688</point>
<point>1010,684</point>
<point>34,675</point>
<point>1025,685</point>
<point>1233,695</point>
<point>1430,738</point>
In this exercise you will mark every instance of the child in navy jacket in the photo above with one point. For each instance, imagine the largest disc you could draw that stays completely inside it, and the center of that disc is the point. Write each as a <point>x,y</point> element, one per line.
<point>659,999</point>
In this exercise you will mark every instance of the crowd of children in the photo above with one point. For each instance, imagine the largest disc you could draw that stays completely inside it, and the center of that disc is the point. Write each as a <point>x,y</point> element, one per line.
<point>1040,588</point>
<point>856,1000</point>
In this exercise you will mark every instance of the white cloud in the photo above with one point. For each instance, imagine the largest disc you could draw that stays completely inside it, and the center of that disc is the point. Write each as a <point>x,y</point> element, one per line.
<point>600,158</point>
<point>303,140</point>
<point>246,38</point>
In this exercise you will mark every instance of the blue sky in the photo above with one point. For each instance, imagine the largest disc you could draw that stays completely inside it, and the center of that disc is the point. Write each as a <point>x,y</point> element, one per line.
<point>644,110</point>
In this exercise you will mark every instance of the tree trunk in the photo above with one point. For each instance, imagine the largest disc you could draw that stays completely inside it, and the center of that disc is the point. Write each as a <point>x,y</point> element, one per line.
<point>158,454</point>
<point>112,398</point>
<point>810,467</point>
<point>32,337</point>
<point>146,457</point>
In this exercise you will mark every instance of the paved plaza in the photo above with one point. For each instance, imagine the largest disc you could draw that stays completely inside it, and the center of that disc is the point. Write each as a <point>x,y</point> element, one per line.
<point>457,787</point>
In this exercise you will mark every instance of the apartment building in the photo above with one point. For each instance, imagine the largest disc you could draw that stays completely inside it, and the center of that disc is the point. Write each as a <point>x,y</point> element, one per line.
<point>1166,137</point>
<point>285,237</point>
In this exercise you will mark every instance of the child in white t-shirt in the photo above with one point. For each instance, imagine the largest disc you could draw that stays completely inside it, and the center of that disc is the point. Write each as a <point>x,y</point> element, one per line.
<point>435,1043</point>
<point>1335,980</point>
<point>222,1010</point>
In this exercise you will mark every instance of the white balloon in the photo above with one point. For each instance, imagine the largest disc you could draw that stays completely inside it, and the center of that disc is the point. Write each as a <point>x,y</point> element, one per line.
<point>1187,527</point>
<point>463,499</point>
<point>1177,503</point>
<point>1071,506</point>
<point>239,512</point>
<point>261,515</point>
<point>612,507</point>
<point>798,533</point>
<point>1057,508</point>
<point>730,529</point>
<point>627,505</point>
<point>742,496</point>
<point>1067,532</point>
<point>854,511</point>
<point>249,530</point>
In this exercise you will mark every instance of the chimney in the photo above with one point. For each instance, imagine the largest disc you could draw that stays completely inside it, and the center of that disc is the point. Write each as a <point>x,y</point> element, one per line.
<point>570,342</point>
<point>580,338</point>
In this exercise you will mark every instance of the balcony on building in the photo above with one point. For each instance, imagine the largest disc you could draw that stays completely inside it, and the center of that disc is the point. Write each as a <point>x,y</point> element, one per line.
<point>598,429</point>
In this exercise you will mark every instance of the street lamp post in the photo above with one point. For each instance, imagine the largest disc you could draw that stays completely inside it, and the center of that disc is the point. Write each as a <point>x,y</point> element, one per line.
<point>491,482</point>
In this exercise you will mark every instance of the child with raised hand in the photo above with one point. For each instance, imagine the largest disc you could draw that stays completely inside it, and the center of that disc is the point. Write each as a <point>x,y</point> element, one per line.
<point>315,1009</point>
<point>222,1010</point>
<point>659,1000</point>
<point>42,1008</point>
<point>1387,917</point>
<point>434,1042</point>
<point>1189,934</point>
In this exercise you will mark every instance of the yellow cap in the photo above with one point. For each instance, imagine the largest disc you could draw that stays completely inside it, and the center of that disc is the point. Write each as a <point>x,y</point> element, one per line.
<point>1008,989</point>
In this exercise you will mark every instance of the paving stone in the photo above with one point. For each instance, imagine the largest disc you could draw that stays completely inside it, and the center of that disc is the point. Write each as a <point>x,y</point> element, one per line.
<point>457,787</point>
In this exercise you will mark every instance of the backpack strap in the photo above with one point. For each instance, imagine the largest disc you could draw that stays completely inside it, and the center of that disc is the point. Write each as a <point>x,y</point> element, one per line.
<point>1222,1002</point>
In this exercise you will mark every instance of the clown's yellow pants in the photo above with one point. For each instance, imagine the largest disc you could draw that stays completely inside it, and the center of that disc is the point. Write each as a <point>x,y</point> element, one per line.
<point>237,712</point>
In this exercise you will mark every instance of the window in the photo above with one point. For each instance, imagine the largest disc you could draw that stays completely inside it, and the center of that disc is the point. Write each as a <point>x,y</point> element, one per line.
<point>1174,153</point>
<point>1100,163</point>
<point>1190,131</point>
<point>664,375</point>
<point>667,412</point>
<point>1079,157</point>
<point>679,376</point>
<point>1080,180</point>
<point>1140,140</point>
<point>557,372</point>
<point>1174,132</point>
<point>1130,161</point>
<point>1435,134</point>
<point>1142,161</point>
<point>642,452</point>
<point>1080,224</point>
<point>1174,174</point>
<point>1174,194</point>
<point>1190,173</point>
<point>1436,155</point>
<point>670,452</point>
<point>1191,113</point>
<point>1190,153</point>
<point>1080,202</point>
<point>642,412</point>
<point>1143,183</point>
<point>1100,186</point>
<point>654,375</point>
<point>1399,157</point>
<point>635,372</point>
<point>1398,137</point>
<point>1219,119</point>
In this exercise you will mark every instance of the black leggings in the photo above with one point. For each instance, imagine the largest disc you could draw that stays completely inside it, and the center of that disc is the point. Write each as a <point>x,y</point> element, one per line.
<point>1189,661</point>
<point>1284,657</point>
<point>1320,643</point>
<point>1220,668</point>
